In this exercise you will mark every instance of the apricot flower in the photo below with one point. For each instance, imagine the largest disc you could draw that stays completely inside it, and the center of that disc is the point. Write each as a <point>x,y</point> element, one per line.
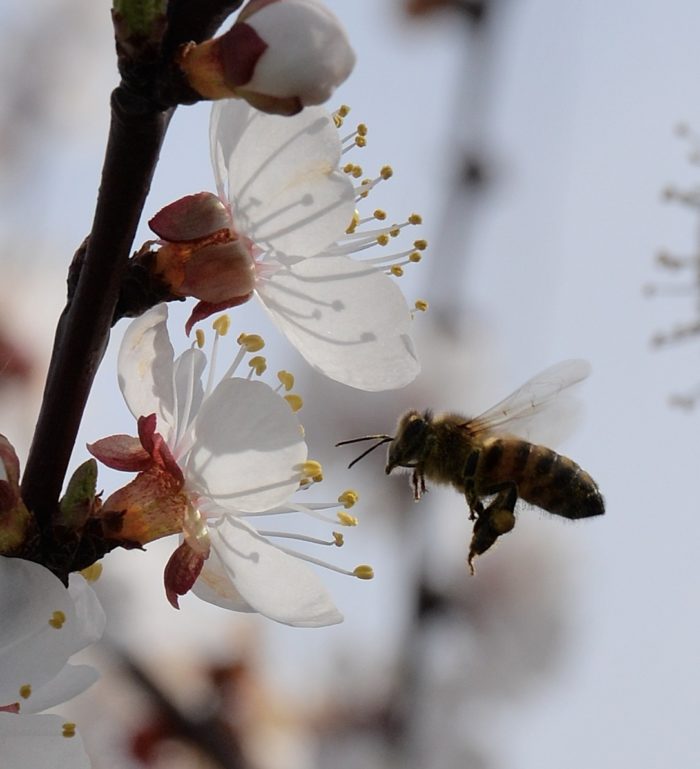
<point>211,457</point>
<point>284,226</point>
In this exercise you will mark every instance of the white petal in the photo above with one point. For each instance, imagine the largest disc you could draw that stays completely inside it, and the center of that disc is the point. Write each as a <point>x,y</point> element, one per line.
<point>189,391</point>
<point>248,448</point>
<point>349,320</point>
<point>69,683</point>
<point>145,368</point>
<point>90,615</point>
<point>214,586</point>
<point>285,190</point>
<point>32,651</point>
<point>308,52</point>
<point>228,123</point>
<point>37,742</point>
<point>273,583</point>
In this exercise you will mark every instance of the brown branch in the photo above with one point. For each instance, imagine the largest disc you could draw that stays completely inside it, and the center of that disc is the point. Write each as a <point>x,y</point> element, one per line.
<point>141,108</point>
<point>83,331</point>
<point>195,21</point>
<point>210,734</point>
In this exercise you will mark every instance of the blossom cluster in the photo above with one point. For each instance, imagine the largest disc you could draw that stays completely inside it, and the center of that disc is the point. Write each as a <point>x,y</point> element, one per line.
<point>219,456</point>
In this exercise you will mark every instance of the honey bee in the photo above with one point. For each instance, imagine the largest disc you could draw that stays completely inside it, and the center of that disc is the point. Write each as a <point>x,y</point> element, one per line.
<point>484,459</point>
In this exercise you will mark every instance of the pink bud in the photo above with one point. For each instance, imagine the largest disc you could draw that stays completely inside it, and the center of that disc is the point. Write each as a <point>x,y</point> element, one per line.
<point>219,272</point>
<point>181,572</point>
<point>191,218</point>
<point>280,55</point>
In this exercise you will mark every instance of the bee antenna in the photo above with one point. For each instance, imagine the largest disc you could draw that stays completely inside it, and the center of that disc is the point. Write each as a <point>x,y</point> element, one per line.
<point>384,439</point>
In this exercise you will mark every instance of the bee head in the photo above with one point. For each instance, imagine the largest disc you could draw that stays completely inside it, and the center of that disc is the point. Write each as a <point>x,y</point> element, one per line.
<point>408,447</point>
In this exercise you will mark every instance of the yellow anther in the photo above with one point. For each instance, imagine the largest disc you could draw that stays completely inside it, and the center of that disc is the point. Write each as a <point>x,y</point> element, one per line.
<point>251,342</point>
<point>338,539</point>
<point>362,129</point>
<point>199,338</point>
<point>415,219</point>
<point>304,482</point>
<point>348,168</point>
<point>348,498</point>
<point>386,172</point>
<point>421,305</point>
<point>420,245</point>
<point>57,620</point>
<point>360,141</point>
<point>69,729</point>
<point>92,573</point>
<point>395,231</point>
<point>396,270</point>
<point>382,239</point>
<point>222,324</point>
<point>337,120</point>
<point>357,172</point>
<point>353,223</point>
<point>380,214</point>
<point>345,519</point>
<point>310,468</point>
<point>317,478</point>
<point>258,364</point>
<point>287,379</point>
<point>25,691</point>
<point>295,401</point>
<point>363,571</point>
<point>343,110</point>
<point>414,257</point>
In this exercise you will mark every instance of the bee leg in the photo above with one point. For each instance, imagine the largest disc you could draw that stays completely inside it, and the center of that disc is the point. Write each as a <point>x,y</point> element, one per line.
<point>498,518</point>
<point>476,508</point>
<point>418,485</point>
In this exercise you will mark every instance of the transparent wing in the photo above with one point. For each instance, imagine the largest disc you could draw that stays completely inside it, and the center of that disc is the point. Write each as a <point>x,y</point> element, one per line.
<point>538,410</point>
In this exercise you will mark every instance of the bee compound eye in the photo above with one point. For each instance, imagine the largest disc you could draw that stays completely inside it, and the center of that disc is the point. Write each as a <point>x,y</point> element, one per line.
<point>414,430</point>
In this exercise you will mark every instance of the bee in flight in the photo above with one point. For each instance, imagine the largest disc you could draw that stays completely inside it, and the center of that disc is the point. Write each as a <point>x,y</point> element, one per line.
<point>484,459</point>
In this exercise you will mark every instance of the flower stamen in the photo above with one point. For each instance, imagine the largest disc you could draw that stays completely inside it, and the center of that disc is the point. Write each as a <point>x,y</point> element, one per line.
<point>348,498</point>
<point>296,402</point>
<point>92,573</point>
<point>258,365</point>
<point>57,620</point>
<point>361,572</point>
<point>286,380</point>
<point>337,540</point>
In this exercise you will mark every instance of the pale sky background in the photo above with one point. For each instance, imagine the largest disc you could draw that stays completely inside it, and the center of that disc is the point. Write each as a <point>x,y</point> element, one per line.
<point>580,131</point>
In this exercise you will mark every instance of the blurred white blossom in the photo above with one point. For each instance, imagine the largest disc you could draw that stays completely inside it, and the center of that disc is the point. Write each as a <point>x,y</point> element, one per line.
<point>43,625</point>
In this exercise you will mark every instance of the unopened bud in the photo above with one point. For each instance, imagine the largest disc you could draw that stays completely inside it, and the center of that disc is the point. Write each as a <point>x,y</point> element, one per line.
<point>280,55</point>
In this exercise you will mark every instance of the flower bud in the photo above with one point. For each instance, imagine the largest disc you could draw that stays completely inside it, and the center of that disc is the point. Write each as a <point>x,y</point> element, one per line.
<point>16,523</point>
<point>280,55</point>
<point>219,272</point>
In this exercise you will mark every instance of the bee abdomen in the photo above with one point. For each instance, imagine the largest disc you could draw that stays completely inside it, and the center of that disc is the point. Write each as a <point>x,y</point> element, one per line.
<point>544,478</point>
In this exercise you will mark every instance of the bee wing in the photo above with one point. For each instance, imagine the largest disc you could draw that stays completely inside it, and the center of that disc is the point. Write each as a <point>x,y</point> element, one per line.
<point>523,412</point>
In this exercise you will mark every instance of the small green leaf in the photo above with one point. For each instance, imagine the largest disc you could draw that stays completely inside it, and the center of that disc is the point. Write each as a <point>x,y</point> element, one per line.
<point>139,17</point>
<point>79,499</point>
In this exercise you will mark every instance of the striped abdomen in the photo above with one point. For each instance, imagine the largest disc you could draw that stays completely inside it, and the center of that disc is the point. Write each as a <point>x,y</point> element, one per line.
<point>543,478</point>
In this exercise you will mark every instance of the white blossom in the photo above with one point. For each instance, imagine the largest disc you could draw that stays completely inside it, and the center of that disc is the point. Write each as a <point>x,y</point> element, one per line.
<point>294,208</point>
<point>43,625</point>
<point>241,452</point>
